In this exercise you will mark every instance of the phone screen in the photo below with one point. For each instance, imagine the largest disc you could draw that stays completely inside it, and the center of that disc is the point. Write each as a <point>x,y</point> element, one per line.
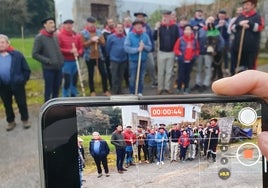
<point>208,143</point>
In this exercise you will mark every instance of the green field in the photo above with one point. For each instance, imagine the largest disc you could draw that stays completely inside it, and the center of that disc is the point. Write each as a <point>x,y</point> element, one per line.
<point>25,46</point>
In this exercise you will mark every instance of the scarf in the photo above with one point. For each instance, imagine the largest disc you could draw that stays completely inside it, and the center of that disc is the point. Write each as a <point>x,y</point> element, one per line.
<point>91,29</point>
<point>44,32</point>
<point>248,14</point>
<point>111,30</point>
<point>170,23</point>
<point>119,35</point>
<point>137,32</point>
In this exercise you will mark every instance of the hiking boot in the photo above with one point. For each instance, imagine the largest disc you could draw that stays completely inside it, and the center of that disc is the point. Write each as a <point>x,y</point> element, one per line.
<point>11,126</point>
<point>26,124</point>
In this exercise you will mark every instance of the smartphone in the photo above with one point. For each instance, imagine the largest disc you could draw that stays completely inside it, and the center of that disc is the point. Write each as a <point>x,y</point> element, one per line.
<point>238,161</point>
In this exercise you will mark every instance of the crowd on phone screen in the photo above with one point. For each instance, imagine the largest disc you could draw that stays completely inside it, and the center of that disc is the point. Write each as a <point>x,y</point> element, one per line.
<point>152,145</point>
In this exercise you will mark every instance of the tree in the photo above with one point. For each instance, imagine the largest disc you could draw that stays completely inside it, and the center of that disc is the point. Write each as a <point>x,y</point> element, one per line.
<point>27,13</point>
<point>13,15</point>
<point>38,11</point>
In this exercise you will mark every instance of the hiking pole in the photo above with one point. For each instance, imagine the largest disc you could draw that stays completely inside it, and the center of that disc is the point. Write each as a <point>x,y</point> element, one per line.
<point>79,73</point>
<point>138,73</point>
<point>240,49</point>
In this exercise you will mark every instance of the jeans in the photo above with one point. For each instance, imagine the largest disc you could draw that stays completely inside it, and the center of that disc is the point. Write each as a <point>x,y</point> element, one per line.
<point>70,76</point>
<point>184,73</point>
<point>129,153</point>
<point>152,153</point>
<point>161,151</point>
<point>52,83</point>
<point>120,156</point>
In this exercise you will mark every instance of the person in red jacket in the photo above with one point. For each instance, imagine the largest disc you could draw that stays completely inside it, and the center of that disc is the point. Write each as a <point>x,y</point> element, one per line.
<point>184,142</point>
<point>130,139</point>
<point>71,48</point>
<point>187,49</point>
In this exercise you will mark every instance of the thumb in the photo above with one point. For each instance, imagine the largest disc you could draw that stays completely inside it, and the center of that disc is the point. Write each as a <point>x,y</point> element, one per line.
<point>263,143</point>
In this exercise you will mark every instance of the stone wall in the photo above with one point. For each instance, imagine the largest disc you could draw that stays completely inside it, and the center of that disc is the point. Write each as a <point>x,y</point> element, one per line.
<point>82,10</point>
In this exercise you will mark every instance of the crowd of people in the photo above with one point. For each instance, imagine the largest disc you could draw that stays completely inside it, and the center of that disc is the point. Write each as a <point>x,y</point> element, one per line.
<point>155,144</point>
<point>127,51</point>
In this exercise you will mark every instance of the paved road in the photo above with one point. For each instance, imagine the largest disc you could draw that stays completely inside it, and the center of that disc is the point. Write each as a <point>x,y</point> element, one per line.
<point>19,164</point>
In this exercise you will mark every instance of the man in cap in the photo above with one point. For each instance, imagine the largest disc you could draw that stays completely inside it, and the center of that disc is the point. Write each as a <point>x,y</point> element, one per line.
<point>46,50</point>
<point>92,40</point>
<point>251,24</point>
<point>107,31</point>
<point>137,45</point>
<point>212,134</point>
<point>71,48</point>
<point>222,24</point>
<point>150,59</point>
<point>197,22</point>
<point>161,143</point>
<point>166,33</point>
<point>130,139</point>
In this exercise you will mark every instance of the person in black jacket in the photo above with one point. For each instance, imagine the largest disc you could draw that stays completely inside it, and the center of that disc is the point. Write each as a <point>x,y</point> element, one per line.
<point>252,24</point>
<point>46,50</point>
<point>99,150</point>
<point>166,33</point>
<point>14,73</point>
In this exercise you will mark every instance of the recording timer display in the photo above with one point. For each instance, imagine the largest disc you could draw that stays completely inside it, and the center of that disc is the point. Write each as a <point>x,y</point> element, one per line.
<point>157,111</point>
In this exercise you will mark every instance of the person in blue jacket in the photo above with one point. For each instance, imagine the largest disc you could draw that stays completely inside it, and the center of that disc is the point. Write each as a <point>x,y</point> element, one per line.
<point>99,150</point>
<point>118,57</point>
<point>161,142</point>
<point>14,73</point>
<point>137,41</point>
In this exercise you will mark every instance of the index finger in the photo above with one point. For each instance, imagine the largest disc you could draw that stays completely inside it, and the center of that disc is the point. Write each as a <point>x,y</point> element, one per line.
<point>247,82</point>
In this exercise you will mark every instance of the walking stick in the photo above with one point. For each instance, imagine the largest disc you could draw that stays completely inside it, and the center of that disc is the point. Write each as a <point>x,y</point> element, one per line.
<point>79,73</point>
<point>208,143</point>
<point>240,49</point>
<point>134,151</point>
<point>138,73</point>
<point>161,152</point>
<point>97,64</point>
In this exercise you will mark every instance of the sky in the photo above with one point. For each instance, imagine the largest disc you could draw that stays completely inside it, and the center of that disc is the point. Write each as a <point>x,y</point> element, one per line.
<point>64,8</point>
